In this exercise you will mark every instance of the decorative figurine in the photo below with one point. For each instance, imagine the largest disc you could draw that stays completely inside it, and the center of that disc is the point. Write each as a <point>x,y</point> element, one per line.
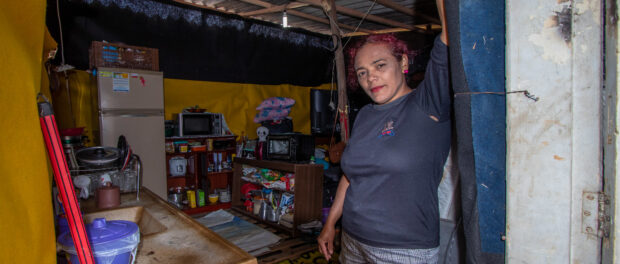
<point>262,133</point>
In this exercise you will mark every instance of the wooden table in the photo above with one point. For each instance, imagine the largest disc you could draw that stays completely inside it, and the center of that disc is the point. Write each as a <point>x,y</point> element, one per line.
<point>183,240</point>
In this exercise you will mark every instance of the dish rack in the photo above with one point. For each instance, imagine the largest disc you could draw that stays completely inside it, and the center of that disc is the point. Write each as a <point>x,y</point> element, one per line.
<point>128,180</point>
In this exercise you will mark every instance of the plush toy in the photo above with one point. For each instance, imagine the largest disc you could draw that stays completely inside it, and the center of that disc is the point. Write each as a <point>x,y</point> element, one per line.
<point>262,133</point>
<point>274,108</point>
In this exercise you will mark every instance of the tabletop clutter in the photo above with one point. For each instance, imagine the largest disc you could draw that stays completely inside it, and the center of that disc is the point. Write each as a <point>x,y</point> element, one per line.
<point>268,194</point>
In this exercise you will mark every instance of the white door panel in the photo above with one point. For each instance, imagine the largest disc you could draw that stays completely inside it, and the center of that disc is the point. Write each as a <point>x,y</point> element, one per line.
<point>145,135</point>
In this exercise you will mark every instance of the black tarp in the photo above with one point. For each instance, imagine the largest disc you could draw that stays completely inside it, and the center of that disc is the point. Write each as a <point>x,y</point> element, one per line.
<point>193,43</point>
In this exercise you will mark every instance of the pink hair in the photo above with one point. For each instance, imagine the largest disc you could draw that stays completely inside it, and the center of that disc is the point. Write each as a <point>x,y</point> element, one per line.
<point>398,47</point>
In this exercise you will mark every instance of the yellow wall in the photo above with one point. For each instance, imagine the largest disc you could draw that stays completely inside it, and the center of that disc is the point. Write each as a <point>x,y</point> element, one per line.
<point>26,222</point>
<point>81,88</point>
<point>236,101</point>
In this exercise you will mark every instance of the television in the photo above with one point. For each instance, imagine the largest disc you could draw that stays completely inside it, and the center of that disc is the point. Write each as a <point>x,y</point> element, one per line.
<point>199,124</point>
<point>323,105</point>
<point>291,147</point>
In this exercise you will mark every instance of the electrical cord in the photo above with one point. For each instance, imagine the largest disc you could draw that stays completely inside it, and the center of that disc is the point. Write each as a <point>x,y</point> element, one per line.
<point>62,48</point>
<point>361,21</point>
<point>526,93</point>
<point>63,67</point>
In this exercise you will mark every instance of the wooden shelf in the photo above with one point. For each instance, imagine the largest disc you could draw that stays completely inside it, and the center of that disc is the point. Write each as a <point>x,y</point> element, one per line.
<point>275,189</point>
<point>308,199</point>
<point>219,172</point>
<point>275,225</point>
<point>175,181</point>
<point>269,164</point>
<point>197,175</point>
<point>206,208</point>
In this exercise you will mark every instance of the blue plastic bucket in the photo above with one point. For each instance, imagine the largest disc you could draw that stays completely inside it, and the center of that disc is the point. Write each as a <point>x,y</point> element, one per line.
<point>63,225</point>
<point>113,242</point>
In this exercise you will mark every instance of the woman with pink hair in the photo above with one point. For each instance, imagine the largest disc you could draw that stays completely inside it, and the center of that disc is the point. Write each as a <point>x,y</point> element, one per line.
<point>393,162</point>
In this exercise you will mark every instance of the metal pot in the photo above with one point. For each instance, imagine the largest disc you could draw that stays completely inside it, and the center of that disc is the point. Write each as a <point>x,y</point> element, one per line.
<point>98,157</point>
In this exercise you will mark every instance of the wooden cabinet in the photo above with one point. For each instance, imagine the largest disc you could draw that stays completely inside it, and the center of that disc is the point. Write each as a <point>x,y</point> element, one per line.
<point>308,190</point>
<point>201,171</point>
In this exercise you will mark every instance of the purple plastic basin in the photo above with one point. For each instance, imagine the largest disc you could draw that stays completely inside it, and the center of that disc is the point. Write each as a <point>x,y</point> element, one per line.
<point>113,242</point>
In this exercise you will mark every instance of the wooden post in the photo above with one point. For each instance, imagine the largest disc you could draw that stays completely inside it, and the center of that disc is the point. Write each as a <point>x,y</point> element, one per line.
<point>343,110</point>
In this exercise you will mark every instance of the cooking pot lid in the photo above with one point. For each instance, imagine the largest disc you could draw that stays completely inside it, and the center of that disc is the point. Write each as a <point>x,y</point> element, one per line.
<point>97,155</point>
<point>101,231</point>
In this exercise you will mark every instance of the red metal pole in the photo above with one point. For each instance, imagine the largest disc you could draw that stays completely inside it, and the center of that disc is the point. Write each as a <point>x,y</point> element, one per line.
<point>65,184</point>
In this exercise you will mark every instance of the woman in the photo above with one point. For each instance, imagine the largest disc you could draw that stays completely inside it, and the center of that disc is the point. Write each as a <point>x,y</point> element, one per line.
<point>394,159</point>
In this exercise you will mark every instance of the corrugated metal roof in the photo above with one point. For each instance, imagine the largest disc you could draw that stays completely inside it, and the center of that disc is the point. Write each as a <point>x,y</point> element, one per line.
<point>376,15</point>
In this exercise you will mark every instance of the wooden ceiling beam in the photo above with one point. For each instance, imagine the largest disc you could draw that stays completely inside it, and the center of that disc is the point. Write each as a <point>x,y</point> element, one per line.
<point>258,3</point>
<point>274,9</point>
<point>325,21</point>
<point>354,13</point>
<point>383,31</point>
<point>405,10</point>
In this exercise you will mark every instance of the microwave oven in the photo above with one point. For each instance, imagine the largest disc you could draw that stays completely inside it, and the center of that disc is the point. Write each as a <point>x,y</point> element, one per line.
<point>291,147</point>
<point>199,124</point>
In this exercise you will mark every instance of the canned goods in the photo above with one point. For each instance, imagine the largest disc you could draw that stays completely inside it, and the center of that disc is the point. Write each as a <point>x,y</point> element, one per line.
<point>201,198</point>
<point>183,148</point>
<point>191,199</point>
<point>169,147</point>
<point>210,144</point>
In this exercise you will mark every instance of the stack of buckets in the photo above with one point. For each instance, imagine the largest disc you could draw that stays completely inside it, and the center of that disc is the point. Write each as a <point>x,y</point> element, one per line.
<point>113,242</point>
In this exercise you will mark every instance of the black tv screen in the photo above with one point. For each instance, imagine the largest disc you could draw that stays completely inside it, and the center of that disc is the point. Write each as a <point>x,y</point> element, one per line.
<point>279,147</point>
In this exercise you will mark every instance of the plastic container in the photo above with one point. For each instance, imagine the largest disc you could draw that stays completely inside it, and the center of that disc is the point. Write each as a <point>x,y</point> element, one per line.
<point>113,242</point>
<point>256,207</point>
<point>62,224</point>
<point>116,55</point>
<point>213,198</point>
<point>199,148</point>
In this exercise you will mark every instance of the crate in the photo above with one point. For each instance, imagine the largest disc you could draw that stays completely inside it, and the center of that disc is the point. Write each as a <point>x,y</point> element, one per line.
<point>102,54</point>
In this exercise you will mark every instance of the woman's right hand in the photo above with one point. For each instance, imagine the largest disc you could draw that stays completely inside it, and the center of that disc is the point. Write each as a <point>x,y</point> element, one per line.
<point>326,241</point>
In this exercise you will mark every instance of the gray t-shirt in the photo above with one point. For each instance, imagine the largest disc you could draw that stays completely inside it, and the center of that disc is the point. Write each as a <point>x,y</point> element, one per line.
<point>394,162</point>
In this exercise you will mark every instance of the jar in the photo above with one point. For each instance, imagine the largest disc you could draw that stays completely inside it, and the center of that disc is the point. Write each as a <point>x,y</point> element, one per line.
<point>183,148</point>
<point>257,203</point>
<point>169,147</point>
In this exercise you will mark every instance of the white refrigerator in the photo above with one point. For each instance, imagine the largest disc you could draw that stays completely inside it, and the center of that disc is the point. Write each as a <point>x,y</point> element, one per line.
<point>131,103</point>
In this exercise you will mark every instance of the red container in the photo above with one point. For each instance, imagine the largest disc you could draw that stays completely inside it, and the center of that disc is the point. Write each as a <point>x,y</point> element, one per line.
<point>71,132</point>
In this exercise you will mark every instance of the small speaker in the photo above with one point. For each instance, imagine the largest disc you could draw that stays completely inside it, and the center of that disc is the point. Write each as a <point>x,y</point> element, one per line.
<point>323,104</point>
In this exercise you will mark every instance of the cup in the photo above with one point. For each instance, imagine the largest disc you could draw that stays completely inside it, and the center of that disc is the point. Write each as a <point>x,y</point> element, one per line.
<point>213,198</point>
<point>256,208</point>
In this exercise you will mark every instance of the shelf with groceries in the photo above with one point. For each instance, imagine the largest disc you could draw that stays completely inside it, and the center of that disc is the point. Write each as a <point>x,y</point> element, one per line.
<point>199,166</point>
<point>195,201</point>
<point>277,193</point>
